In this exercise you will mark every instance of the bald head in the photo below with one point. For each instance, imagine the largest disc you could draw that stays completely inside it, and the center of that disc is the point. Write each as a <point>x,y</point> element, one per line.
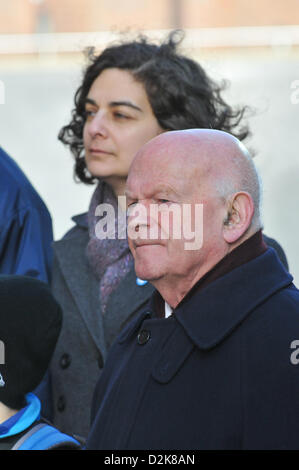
<point>210,154</point>
<point>205,185</point>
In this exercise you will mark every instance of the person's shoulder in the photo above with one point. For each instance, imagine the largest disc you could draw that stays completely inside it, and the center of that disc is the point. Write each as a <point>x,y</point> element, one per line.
<point>278,248</point>
<point>42,435</point>
<point>74,240</point>
<point>287,297</point>
<point>283,306</point>
<point>16,189</point>
<point>274,325</point>
<point>10,172</point>
<point>79,229</point>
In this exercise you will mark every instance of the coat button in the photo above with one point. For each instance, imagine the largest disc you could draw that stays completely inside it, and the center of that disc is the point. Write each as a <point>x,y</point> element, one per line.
<point>61,403</point>
<point>143,336</point>
<point>65,361</point>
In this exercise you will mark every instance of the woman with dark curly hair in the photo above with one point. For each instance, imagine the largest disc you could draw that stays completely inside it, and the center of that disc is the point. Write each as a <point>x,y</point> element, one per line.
<point>130,93</point>
<point>180,93</point>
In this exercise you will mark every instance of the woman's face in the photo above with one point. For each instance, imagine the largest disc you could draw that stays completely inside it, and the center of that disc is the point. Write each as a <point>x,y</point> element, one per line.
<point>119,120</point>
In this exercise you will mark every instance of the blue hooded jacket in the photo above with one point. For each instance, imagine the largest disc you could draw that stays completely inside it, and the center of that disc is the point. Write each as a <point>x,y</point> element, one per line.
<point>26,233</point>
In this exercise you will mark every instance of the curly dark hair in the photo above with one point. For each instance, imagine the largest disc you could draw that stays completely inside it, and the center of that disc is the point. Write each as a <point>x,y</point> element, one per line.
<point>181,94</point>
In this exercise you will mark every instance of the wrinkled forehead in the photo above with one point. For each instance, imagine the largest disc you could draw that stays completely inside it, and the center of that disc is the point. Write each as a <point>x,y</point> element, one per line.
<point>172,166</point>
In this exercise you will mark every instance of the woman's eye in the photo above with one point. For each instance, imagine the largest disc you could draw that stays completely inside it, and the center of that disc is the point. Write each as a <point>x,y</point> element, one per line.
<point>119,115</point>
<point>89,113</point>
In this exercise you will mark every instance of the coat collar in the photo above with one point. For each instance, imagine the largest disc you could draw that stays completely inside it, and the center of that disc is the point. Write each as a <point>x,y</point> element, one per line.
<point>81,220</point>
<point>211,314</point>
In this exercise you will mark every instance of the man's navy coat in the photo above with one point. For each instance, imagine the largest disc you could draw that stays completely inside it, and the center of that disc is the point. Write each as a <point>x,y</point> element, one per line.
<point>221,373</point>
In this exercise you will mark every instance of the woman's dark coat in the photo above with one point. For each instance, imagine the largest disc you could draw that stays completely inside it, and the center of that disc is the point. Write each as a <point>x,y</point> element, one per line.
<point>86,334</point>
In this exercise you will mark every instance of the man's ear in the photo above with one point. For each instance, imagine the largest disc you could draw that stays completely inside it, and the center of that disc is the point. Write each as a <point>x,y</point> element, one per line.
<point>239,217</point>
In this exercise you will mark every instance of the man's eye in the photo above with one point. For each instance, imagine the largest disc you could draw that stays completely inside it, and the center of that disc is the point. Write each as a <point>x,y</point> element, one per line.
<point>131,207</point>
<point>163,201</point>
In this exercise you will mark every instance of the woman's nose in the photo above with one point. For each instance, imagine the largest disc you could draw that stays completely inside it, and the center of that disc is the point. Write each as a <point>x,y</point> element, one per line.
<point>98,125</point>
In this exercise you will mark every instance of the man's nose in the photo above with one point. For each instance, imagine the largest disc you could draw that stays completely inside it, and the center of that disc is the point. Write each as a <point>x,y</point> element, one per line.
<point>138,215</point>
<point>140,220</point>
<point>98,125</point>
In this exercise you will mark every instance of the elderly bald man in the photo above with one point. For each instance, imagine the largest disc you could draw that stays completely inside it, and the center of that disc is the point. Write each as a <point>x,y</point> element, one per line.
<point>212,362</point>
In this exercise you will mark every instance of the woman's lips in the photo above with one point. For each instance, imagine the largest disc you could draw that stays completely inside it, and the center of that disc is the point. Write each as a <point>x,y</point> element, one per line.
<point>99,151</point>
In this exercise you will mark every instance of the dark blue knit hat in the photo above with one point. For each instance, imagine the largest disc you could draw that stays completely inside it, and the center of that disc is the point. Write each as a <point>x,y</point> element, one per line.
<point>30,323</point>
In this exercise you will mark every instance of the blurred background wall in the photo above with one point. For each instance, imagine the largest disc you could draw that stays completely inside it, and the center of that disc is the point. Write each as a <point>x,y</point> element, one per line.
<point>254,45</point>
<point>32,16</point>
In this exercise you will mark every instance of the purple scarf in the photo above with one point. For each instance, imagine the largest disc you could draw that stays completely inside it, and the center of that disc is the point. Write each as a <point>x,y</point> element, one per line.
<point>110,259</point>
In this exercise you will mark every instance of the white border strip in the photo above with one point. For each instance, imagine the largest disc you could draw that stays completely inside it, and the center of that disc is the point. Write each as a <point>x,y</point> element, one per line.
<point>196,38</point>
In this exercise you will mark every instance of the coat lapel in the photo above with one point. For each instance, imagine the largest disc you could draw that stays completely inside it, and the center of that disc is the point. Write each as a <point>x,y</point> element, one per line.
<point>124,302</point>
<point>83,285</point>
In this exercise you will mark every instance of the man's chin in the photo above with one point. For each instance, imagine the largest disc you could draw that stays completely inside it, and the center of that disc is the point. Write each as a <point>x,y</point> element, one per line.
<point>149,265</point>
<point>146,274</point>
